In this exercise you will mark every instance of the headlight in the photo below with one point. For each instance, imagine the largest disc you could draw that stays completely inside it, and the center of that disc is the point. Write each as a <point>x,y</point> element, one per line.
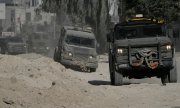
<point>119,51</point>
<point>168,47</point>
<point>122,51</point>
<point>47,48</point>
<point>91,57</point>
<point>70,54</point>
<point>166,51</point>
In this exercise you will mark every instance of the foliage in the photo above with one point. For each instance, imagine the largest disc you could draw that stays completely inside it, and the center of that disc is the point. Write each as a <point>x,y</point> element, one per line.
<point>167,9</point>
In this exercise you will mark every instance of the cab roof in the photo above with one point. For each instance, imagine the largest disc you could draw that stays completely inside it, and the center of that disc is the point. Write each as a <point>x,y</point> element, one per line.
<point>140,21</point>
<point>80,31</point>
<point>80,34</point>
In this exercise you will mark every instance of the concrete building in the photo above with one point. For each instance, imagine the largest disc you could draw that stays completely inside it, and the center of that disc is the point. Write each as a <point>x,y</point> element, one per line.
<point>20,12</point>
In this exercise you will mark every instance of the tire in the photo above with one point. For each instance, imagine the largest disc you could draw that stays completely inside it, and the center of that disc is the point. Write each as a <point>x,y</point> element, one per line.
<point>118,78</point>
<point>7,53</point>
<point>92,69</point>
<point>55,56</point>
<point>173,73</point>
<point>111,70</point>
<point>66,66</point>
<point>165,78</point>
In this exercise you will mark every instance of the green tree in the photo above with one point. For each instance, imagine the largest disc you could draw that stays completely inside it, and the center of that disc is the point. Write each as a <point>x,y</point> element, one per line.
<point>93,13</point>
<point>167,9</point>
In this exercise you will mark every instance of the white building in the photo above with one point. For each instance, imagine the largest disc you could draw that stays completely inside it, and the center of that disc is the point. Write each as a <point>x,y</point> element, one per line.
<point>19,12</point>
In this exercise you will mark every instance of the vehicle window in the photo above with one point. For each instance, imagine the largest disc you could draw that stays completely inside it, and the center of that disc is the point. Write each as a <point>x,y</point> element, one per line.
<point>73,40</point>
<point>126,33</point>
<point>139,32</point>
<point>152,31</point>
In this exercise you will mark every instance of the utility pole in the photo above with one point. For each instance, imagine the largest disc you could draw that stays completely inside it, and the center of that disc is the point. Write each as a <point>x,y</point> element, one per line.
<point>54,29</point>
<point>14,19</point>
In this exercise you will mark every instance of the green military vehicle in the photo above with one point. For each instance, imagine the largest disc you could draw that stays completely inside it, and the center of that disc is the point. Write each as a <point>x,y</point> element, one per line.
<point>141,48</point>
<point>77,47</point>
<point>15,45</point>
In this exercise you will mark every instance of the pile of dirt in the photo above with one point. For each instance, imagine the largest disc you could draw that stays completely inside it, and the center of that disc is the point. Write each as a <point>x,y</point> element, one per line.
<point>22,76</point>
<point>35,81</point>
<point>36,73</point>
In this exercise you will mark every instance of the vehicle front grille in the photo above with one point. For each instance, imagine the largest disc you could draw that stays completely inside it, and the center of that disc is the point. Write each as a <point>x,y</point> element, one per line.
<point>18,49</point>
<point>143,56</point>
<point>81,57</point>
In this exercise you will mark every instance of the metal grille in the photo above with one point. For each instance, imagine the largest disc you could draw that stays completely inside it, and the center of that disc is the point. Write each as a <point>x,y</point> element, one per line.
<point>81,57</point>
<point>18,48</point>
<point>144,56</point>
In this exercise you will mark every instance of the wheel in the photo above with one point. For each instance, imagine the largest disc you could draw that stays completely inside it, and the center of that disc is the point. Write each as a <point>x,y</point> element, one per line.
<point>55,56</point>
<point>173,76</point>
<point>7,53</point>
<point>118,78</point>
<point>173,73</point>
<point>165,78</point>
<point>66,66</point>
<point>92,69</point>
<point>111,70</point>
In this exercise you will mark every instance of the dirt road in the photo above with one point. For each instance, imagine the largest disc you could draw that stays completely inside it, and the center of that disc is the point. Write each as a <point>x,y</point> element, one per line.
<point>34,81</point>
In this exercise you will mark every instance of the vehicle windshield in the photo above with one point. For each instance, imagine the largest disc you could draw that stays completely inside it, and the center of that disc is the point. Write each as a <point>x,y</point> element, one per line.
<point>139,32</point>
<point>74,40</point>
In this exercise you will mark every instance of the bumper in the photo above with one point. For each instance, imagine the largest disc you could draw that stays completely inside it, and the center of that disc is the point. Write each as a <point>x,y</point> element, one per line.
<point>40,51</point>
<point>167,64</point>
<point>17,52</point>
<point>79,63</point>
<point>144,71</point>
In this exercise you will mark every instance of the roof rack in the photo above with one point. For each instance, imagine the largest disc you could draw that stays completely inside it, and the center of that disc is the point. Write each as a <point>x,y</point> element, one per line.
<point>142,19</point>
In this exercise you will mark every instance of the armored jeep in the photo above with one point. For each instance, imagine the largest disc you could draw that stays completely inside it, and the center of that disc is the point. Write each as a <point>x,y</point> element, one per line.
<point>141,48</point>
<point>3,45</point>
<point>77,48</point>
<point>15,45</point>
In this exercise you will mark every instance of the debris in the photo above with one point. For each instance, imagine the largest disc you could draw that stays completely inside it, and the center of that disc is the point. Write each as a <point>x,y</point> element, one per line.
<point>40,93</point>
<point>31,76</point>
<point>8,101</point>
<point>53,83</point>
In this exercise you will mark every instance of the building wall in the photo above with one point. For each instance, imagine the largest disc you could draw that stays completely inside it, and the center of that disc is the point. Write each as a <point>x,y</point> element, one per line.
<point>24,12</point>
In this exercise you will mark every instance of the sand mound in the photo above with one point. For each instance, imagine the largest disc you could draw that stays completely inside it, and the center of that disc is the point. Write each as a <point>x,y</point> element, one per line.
<point>39,72</point>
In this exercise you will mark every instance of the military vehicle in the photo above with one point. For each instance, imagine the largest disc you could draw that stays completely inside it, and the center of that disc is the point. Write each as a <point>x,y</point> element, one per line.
<point>39,42</point>
<point>3,46</point>
<point>141,48</point>
<point>77,47</point>
<point>15,45</point>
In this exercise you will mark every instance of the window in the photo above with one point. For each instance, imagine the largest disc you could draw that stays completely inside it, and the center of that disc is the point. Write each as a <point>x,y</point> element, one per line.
<point>73,40</point>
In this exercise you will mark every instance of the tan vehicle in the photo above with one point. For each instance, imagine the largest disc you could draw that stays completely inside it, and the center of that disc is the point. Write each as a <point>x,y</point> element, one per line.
<point>77,47</point>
